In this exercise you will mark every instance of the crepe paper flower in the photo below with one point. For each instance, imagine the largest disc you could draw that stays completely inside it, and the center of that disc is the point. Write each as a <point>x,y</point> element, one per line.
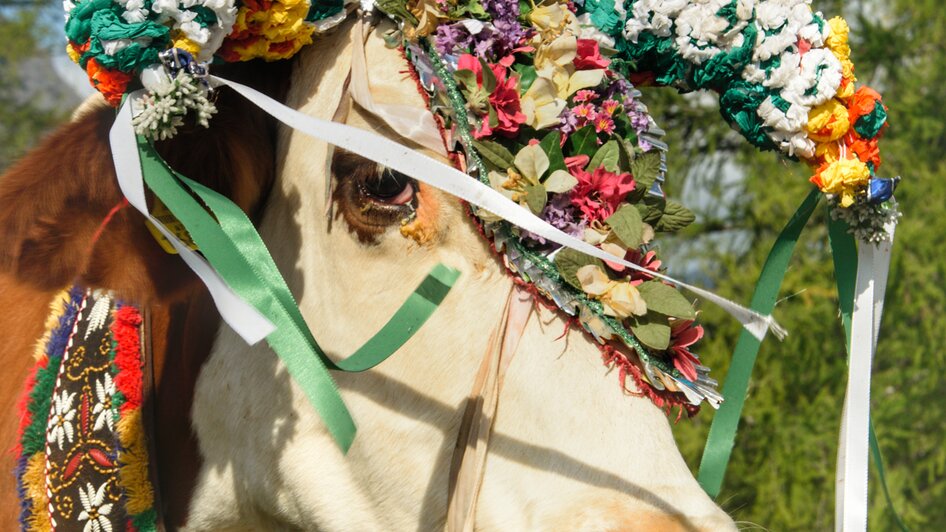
<point>843,178</point>
<point>270,30</point>
<point>618,298</point>
<point>111,83</point>
<point>683,334</point>
<point>867,151</point>
<point>828,122</point>
<point>599,193</point>
<point>584,95</point>
<point>867,113</point>
<point>837,42</point>
<point>589,56</point>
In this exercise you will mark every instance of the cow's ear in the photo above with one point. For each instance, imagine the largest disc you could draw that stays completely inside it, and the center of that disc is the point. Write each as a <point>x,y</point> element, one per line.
<point>55,199</point>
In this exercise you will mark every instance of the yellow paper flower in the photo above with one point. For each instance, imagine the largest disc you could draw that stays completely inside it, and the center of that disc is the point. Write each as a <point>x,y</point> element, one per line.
<point>550,20</point>
<point>828,122</point>
<point>179,40</point>
<point>844,178</point>
<point>618,298</point>
<point>541,104</point>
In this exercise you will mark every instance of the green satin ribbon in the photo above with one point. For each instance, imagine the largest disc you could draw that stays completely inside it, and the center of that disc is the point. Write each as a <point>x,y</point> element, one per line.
<point>844,254</point>
<point>722,434</point>
<point>229,242</point>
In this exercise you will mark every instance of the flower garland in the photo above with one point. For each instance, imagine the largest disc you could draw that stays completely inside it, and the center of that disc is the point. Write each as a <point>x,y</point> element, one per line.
<point>543,120</point>
<point>115,41</point>
<point>785,79</point>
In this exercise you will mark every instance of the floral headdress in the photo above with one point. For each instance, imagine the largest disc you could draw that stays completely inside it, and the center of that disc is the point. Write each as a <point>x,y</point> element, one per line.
<point>536,100</point>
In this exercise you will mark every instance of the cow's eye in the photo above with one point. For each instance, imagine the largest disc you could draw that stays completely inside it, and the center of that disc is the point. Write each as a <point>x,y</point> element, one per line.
<point>389,187</point>
<point>371,198</point>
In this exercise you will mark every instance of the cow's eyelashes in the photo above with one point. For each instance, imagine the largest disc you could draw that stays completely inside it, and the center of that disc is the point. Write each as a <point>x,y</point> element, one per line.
<point>389,187</point>
<point>371,198</point>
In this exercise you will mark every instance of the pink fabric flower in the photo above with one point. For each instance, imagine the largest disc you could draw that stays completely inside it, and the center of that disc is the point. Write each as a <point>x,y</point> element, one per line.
<point>504,99</point>
<point>682,335</point>
<point>576,163</point>
<point>585,113</point>
<point>609,106</point>
<point>603,123</point>
<point>584,95</point>
<point>589,57</point>
<point>598,194</point>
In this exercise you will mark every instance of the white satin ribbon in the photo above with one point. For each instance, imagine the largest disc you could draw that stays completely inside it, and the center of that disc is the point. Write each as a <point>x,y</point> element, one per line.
<point>851,501</point>
<point>243,318</point>
<point>405,160</point>
<point>407,121</point>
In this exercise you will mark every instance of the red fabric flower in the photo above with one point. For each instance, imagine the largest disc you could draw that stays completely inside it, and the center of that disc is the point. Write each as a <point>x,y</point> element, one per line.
<point>589,56</point>
<point>682,335</point>
<point>598,194</point>
<point>504,99</point>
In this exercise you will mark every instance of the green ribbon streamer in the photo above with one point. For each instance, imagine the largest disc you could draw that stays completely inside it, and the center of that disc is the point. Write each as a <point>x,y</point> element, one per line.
<point>228,240</point>
<point>722,432</point>
<point>844,254</point>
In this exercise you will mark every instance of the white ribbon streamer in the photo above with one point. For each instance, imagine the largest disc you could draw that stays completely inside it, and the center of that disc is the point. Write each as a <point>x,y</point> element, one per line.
<point>437,174</point>
<point>851,501</point>
<point>243,318</point>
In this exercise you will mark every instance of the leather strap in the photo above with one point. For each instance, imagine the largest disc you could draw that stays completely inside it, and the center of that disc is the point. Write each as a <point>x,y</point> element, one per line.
<point>469,455</point>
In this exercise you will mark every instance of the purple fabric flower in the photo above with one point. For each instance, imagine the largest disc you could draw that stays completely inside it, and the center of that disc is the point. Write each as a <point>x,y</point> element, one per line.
<point>569,122</point>
<point>452,38</point>
<point>560,214</point>
<point>501,9</point>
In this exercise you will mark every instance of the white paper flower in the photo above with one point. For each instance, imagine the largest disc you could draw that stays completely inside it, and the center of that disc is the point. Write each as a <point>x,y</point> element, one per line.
<point>94,509</point>
<point>61,426</point>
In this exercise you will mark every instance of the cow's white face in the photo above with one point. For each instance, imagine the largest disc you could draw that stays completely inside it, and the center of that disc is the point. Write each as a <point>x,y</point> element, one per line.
<point>570,450</point>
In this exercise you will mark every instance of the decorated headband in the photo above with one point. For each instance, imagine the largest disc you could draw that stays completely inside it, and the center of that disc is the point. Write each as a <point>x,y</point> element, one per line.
<point>538,102</point>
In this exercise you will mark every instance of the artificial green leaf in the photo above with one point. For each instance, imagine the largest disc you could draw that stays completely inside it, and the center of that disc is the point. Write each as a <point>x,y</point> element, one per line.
<point>666,300</point>
<point>653,331</point>
<point>536,197</point>
<point>607,156</point>
<point>675,217</point>
<point>552,146</point>
<point>651,208</point>
<point>570,261</point>
<point>560,182</point>
<point>584,141</point>
<point>493,117</point>
<point>626,153</point>
<point>526,76</point>
<point>627,225</point>
<point>466,77</point>
<point>489,78</point>
<point>645,168</point>
<point>495,154</point>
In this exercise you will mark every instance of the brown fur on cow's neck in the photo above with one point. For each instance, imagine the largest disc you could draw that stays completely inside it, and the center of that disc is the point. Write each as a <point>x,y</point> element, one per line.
<point>53,201</point>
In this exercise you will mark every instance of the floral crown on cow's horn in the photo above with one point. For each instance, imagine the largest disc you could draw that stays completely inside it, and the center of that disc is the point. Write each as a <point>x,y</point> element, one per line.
<point>536,100</point>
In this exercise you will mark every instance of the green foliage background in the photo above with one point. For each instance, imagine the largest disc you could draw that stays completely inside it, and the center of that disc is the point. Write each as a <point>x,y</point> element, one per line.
<point>782,473</point>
